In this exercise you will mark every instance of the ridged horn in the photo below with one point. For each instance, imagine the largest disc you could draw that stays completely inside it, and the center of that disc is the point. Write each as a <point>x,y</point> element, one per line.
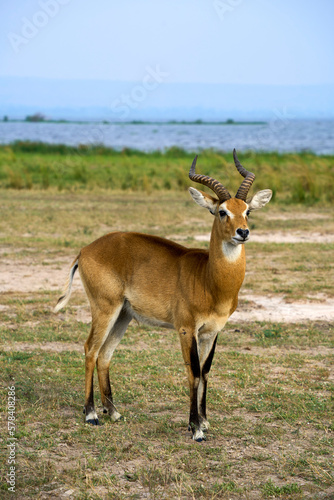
<point>249,179</point>
<point>210,182</point>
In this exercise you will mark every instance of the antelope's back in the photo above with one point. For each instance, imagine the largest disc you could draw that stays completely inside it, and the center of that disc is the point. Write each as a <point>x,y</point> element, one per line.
<point>143,268</point>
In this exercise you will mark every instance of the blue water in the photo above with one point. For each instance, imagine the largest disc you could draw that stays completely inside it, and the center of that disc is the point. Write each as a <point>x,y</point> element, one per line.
<point>278,135</point>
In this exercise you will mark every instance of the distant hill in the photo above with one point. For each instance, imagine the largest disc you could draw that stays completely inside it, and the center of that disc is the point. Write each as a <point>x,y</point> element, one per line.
<point>158,100</point>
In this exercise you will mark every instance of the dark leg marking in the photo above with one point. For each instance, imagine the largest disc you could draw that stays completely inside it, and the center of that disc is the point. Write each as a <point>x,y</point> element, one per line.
<point>194,359</point>
<point>205,375</point>
<point>194,423</point>
<point>208,361</point>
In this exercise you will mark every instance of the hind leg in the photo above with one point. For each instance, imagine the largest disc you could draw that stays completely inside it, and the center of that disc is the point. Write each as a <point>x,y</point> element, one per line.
<point>103,362</point>
<point>102,324</point>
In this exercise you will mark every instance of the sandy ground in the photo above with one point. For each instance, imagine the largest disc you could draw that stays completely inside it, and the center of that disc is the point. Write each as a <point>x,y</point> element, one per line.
<point>26,276</point>
<point>275,309</point>
<point>281,237</point>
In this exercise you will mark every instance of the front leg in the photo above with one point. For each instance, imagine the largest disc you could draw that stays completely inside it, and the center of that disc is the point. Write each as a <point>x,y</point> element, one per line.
<point>191,360</point>
<point>207,348</point>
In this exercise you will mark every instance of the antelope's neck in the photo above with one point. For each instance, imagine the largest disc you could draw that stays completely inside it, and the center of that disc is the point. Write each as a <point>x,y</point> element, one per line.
<point>227,263</point>
<point>232,253</point>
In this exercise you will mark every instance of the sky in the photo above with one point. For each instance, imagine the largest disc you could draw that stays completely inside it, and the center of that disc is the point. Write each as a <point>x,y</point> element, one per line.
<point>281,42</point>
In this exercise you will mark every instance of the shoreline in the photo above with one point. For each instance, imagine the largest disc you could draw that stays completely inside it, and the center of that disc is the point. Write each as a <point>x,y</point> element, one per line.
<point>175,151</point>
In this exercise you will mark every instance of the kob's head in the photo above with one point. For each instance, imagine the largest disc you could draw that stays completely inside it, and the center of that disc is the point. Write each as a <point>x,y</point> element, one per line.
<point>232,213</point>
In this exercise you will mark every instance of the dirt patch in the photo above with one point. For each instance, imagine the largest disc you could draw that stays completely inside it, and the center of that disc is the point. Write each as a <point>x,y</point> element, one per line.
<point>61,346</point>
<point>274,350</point>
<point>43,346</point>
<point>27,276</point>
<point>282,237</point>
<point>301,216</point>
<point>276,309</point>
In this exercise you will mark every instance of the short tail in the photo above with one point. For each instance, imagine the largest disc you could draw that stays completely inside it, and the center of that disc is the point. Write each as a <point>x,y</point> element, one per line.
<point>62,301</point>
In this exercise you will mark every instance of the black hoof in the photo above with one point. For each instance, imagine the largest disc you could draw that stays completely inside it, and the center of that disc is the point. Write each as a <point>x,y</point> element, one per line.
<point>105,410</point>
<point>93,421</point>
<point>84,411</point>
<point>199,440</point>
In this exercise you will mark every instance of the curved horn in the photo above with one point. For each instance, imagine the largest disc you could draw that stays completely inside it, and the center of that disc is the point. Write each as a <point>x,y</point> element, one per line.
<point>210,182</point>
<point>249,179</point>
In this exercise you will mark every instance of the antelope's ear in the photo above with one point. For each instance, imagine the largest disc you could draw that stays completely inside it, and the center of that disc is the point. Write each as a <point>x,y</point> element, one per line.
<point>204,200</point>
<point>260,199</point>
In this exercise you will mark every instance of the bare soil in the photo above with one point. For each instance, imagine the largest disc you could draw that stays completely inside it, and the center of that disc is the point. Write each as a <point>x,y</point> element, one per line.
<point>282,237</point>
<point>26,275</point>
<point>276,309</point>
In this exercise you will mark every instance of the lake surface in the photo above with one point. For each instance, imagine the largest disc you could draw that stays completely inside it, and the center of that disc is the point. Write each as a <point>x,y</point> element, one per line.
<point>278,135</point>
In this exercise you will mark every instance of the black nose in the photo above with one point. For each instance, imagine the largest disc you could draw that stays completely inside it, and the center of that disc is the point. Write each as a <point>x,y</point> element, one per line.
<point>243,233</point>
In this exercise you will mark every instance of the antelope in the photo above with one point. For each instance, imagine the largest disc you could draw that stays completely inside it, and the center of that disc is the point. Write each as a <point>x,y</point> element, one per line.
<point>129,275</point>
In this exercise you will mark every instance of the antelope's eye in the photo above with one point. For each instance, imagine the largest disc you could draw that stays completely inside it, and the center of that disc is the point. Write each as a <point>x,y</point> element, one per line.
<point>222,213</point>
